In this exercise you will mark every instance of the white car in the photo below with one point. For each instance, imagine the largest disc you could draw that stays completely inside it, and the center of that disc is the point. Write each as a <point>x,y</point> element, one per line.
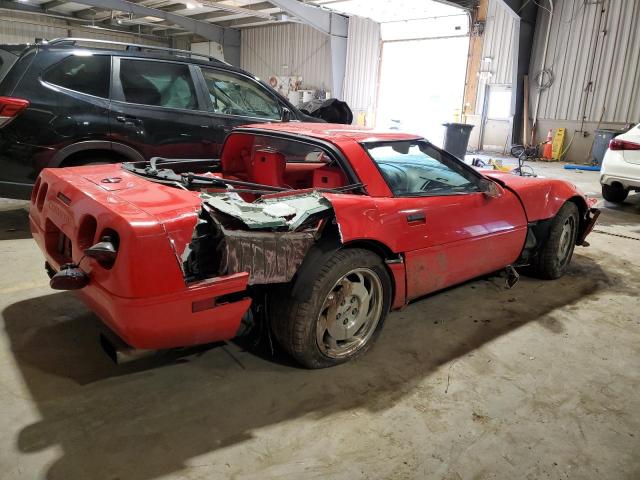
<point>620,172</point>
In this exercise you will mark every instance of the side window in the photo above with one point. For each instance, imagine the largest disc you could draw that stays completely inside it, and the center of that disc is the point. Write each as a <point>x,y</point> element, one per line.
<point>160,84</point>
<point>415,167</point>
<point>233,95</point>
<point>86,74</point>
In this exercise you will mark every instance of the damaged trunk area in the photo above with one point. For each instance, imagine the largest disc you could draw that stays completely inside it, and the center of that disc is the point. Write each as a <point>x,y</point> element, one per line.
<point>269,238</point>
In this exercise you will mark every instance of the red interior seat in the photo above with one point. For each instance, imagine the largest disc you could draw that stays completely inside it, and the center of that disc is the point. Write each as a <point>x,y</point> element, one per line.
<point>267,167</point>
<point>328,177</point>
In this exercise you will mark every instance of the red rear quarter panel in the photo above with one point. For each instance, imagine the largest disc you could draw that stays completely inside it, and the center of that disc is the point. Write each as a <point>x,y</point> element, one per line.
<point>144,297</point>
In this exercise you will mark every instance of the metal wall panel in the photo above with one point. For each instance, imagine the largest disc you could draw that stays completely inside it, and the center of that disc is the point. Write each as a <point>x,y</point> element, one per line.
<point>16,27</point>
<point>25,28</point>
<point>287,50</point>
<point>116,37</point>
<point>363,59</point>
<point>595,74</point>
<point>500,43</point>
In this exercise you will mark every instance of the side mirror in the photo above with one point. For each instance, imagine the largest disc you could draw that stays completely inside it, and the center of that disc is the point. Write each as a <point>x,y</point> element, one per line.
<point>286,114</point>
<point>490,188</point>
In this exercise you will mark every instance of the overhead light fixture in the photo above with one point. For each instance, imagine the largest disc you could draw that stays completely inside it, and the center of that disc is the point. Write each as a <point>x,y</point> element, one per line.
<point>192,5</point>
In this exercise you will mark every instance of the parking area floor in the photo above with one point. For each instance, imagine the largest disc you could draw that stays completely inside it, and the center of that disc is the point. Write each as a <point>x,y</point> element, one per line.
<point>540,381</point>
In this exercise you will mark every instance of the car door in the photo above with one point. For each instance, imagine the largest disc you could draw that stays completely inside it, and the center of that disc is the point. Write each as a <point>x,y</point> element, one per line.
<point>234,99</point>
<point>449,229</point>
<point>157,109</point>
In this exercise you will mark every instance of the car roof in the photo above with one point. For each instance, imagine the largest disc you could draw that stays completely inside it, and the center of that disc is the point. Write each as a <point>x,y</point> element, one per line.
<point>333,132</point>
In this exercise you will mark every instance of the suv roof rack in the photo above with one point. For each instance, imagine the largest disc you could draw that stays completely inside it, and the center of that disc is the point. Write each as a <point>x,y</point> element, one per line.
<point>175,51</point>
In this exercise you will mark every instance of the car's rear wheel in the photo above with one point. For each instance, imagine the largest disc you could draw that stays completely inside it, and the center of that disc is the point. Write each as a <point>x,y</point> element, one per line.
<point>343,314</point>
<point>555,255</point>
<point>615,193</point>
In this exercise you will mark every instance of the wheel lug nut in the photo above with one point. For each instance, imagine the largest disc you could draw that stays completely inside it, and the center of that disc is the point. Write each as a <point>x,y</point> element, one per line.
<point>339,315</point>
<point>354,311</point>
<point>353,300</point>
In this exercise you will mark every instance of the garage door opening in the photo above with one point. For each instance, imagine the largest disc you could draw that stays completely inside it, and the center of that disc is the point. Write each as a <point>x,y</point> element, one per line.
<point>422,85</point>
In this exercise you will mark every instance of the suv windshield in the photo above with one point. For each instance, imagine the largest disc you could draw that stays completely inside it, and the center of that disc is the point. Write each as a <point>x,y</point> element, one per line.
<point>415,167</point>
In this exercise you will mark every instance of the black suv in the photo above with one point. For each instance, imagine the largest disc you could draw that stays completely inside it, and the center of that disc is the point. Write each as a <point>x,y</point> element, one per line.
<point>65,103</point>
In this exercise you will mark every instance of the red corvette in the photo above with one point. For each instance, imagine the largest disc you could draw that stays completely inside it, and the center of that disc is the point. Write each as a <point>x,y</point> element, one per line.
<point>314,230</point>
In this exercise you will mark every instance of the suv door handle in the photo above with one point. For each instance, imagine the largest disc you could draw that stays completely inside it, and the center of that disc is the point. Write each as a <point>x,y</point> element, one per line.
<point>128,119</point>
<point>225,129</point>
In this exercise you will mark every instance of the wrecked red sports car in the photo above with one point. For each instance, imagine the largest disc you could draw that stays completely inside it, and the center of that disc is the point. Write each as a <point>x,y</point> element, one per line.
<point>315,231</point>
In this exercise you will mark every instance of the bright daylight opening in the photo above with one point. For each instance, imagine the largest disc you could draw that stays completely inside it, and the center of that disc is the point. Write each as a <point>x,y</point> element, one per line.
<point>423,62</point>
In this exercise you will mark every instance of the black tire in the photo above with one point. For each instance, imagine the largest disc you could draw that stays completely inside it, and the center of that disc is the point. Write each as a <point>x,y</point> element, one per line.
<point>297,323</point>
<point>555,255</point>
<point>615,193</point>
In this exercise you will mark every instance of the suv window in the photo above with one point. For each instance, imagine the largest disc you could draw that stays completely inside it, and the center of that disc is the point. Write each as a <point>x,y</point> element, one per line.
<point>415,167</point>
<point>86,74</point>
<point>233,95</point>
<point>161,84</point>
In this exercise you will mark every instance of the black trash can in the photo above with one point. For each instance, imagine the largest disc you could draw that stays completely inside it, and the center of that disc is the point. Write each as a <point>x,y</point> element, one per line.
<point>456,138</point>
<point>601,139</point>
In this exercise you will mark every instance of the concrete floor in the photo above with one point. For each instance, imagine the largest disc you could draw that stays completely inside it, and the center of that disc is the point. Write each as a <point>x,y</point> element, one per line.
<point>478,382</point>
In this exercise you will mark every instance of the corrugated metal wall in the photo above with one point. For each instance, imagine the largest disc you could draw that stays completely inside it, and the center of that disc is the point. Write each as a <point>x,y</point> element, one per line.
<point>16,27</point>
<point>117,37</point>
<point>363,59</point>
<point>287,50</point>
<point>593,73</point>
<point>25,28</point>
<point>500,43</point>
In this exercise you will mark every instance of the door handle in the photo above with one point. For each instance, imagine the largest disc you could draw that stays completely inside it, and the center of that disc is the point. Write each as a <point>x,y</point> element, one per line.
<point>416,218</point>
<point>128,119</point>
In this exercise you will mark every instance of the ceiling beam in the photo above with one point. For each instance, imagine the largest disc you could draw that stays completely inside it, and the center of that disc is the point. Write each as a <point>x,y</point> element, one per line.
<point>319,18</point>
<point>204,29</point>
<point>245,21</point>
<point>219,16</point>
<point>175,7</point>
<point>250,10</point>
<point>53,4</point>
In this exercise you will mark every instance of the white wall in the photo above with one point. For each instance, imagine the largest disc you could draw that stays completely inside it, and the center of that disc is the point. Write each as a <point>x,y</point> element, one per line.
<point>363,61</point>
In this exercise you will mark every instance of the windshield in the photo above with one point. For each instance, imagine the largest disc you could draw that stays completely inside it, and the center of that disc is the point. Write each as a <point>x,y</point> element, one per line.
<point>415,167</point>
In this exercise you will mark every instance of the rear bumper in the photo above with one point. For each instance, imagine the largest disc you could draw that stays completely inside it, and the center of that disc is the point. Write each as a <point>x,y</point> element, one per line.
<point>199,313</point>
<point>192,317</point>
<point>615,169</point>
